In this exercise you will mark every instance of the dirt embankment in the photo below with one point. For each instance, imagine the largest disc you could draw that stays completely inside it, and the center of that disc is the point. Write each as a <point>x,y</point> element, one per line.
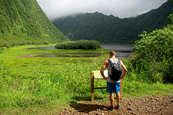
<point>139,106</point>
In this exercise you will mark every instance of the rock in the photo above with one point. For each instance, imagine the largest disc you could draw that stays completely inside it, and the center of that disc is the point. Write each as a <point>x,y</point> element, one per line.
<point>129,108</point>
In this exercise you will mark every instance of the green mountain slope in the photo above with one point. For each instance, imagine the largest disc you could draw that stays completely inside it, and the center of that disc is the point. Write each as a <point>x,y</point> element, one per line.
<point>110,29</point>
<point>24,22</point>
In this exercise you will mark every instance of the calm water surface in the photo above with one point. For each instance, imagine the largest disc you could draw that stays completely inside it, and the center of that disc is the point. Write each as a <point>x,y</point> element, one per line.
<point>44,48</point>
<point>121,50</point>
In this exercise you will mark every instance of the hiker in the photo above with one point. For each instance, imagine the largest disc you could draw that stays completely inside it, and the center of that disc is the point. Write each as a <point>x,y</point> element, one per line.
<point>113,86</point>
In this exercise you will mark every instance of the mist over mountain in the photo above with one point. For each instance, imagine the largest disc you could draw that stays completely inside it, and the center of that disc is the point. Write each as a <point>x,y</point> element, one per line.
<point>119,8</point>
<point>24,22</point>
<point>110,29</point>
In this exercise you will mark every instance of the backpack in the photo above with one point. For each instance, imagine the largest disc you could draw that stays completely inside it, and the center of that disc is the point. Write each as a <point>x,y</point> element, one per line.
<point>116,70</point>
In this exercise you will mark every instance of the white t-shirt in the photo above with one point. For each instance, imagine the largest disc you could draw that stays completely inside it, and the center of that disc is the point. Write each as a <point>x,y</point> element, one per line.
<point>114,60</point>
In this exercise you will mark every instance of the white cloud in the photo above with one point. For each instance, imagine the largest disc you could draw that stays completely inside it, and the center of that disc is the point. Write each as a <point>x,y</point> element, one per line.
<point>120,8</point>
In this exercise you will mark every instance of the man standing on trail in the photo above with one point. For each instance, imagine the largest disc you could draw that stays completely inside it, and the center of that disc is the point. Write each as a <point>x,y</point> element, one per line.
<point>113,86</point>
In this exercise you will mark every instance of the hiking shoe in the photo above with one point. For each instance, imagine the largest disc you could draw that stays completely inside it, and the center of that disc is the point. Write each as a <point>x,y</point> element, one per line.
<point>118,106</point>
<point>110,108</point>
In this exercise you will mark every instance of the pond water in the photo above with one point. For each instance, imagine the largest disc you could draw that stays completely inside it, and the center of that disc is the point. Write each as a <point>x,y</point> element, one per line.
<point>50,56</point>
<point>44,48</point>
<point>122,51</point>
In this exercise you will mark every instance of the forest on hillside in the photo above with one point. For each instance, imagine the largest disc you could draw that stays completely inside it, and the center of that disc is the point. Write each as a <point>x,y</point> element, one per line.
<point>24,22</point>
<point>110,29</point>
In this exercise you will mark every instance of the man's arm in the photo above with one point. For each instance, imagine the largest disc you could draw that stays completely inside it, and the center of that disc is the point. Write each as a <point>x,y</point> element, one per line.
<point>124,70</point>
<point>105,64</point>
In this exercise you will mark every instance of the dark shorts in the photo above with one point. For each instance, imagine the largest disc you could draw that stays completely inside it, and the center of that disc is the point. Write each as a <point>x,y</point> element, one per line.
<point>113,87</point>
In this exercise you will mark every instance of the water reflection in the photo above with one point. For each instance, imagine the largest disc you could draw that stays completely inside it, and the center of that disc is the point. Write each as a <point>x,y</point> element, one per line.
<point>121,50</point>
<point>118,47</point>
<point>51,56</point>
<point>44,48</point>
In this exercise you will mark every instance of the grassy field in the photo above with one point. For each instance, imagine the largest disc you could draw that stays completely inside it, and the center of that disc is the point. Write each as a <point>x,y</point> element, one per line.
<point>47,85</point>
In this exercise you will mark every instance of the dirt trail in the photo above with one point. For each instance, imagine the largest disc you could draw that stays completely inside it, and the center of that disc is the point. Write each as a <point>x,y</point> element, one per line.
<point>139,106</point>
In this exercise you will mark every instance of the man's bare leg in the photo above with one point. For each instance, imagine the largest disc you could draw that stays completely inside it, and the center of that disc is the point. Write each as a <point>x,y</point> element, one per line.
<point>112,99</point>
<point>118,98</point>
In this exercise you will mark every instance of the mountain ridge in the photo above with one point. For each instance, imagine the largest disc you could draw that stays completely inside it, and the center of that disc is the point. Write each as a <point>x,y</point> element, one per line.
<point>24,22</point>
<point>110,29</point>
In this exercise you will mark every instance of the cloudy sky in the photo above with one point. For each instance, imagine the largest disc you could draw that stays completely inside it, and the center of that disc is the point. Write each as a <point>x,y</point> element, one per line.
<point>120,8</point>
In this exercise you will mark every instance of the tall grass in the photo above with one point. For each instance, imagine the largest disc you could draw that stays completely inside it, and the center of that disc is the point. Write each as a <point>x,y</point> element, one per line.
<point>34,81</point>
<point>28,82</point>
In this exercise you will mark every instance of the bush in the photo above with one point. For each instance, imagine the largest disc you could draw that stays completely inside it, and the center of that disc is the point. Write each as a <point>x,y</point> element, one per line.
<point>81,44</point>
<point>155,55</point>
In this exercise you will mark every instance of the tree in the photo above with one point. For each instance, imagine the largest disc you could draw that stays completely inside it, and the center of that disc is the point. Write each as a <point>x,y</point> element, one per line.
<point>155,55</point>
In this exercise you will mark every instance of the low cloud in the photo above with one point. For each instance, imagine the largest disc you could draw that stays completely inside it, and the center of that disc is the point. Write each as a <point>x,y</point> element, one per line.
<point>119,8</point>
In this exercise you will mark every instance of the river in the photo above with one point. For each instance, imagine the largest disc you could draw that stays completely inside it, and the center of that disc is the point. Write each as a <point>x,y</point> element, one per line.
<point>123,51</point>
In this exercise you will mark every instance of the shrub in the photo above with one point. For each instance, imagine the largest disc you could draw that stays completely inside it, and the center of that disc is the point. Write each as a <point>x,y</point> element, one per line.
<point>81,44</point>
<point>155,54</point>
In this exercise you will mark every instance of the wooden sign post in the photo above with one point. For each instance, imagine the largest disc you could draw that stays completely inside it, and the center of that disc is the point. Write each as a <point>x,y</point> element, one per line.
<point>97,75</point>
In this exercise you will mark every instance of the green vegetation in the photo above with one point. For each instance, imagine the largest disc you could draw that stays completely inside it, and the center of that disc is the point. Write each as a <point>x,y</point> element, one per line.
<point>110,29</point>
<point>155,55</point>
<point>28,81</point>
<point>38,82</point>
<point>24,22</point>
<point>81,44</point>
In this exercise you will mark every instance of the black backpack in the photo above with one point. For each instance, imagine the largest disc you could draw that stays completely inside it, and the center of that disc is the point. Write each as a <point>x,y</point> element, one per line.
<point>116,70</point>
